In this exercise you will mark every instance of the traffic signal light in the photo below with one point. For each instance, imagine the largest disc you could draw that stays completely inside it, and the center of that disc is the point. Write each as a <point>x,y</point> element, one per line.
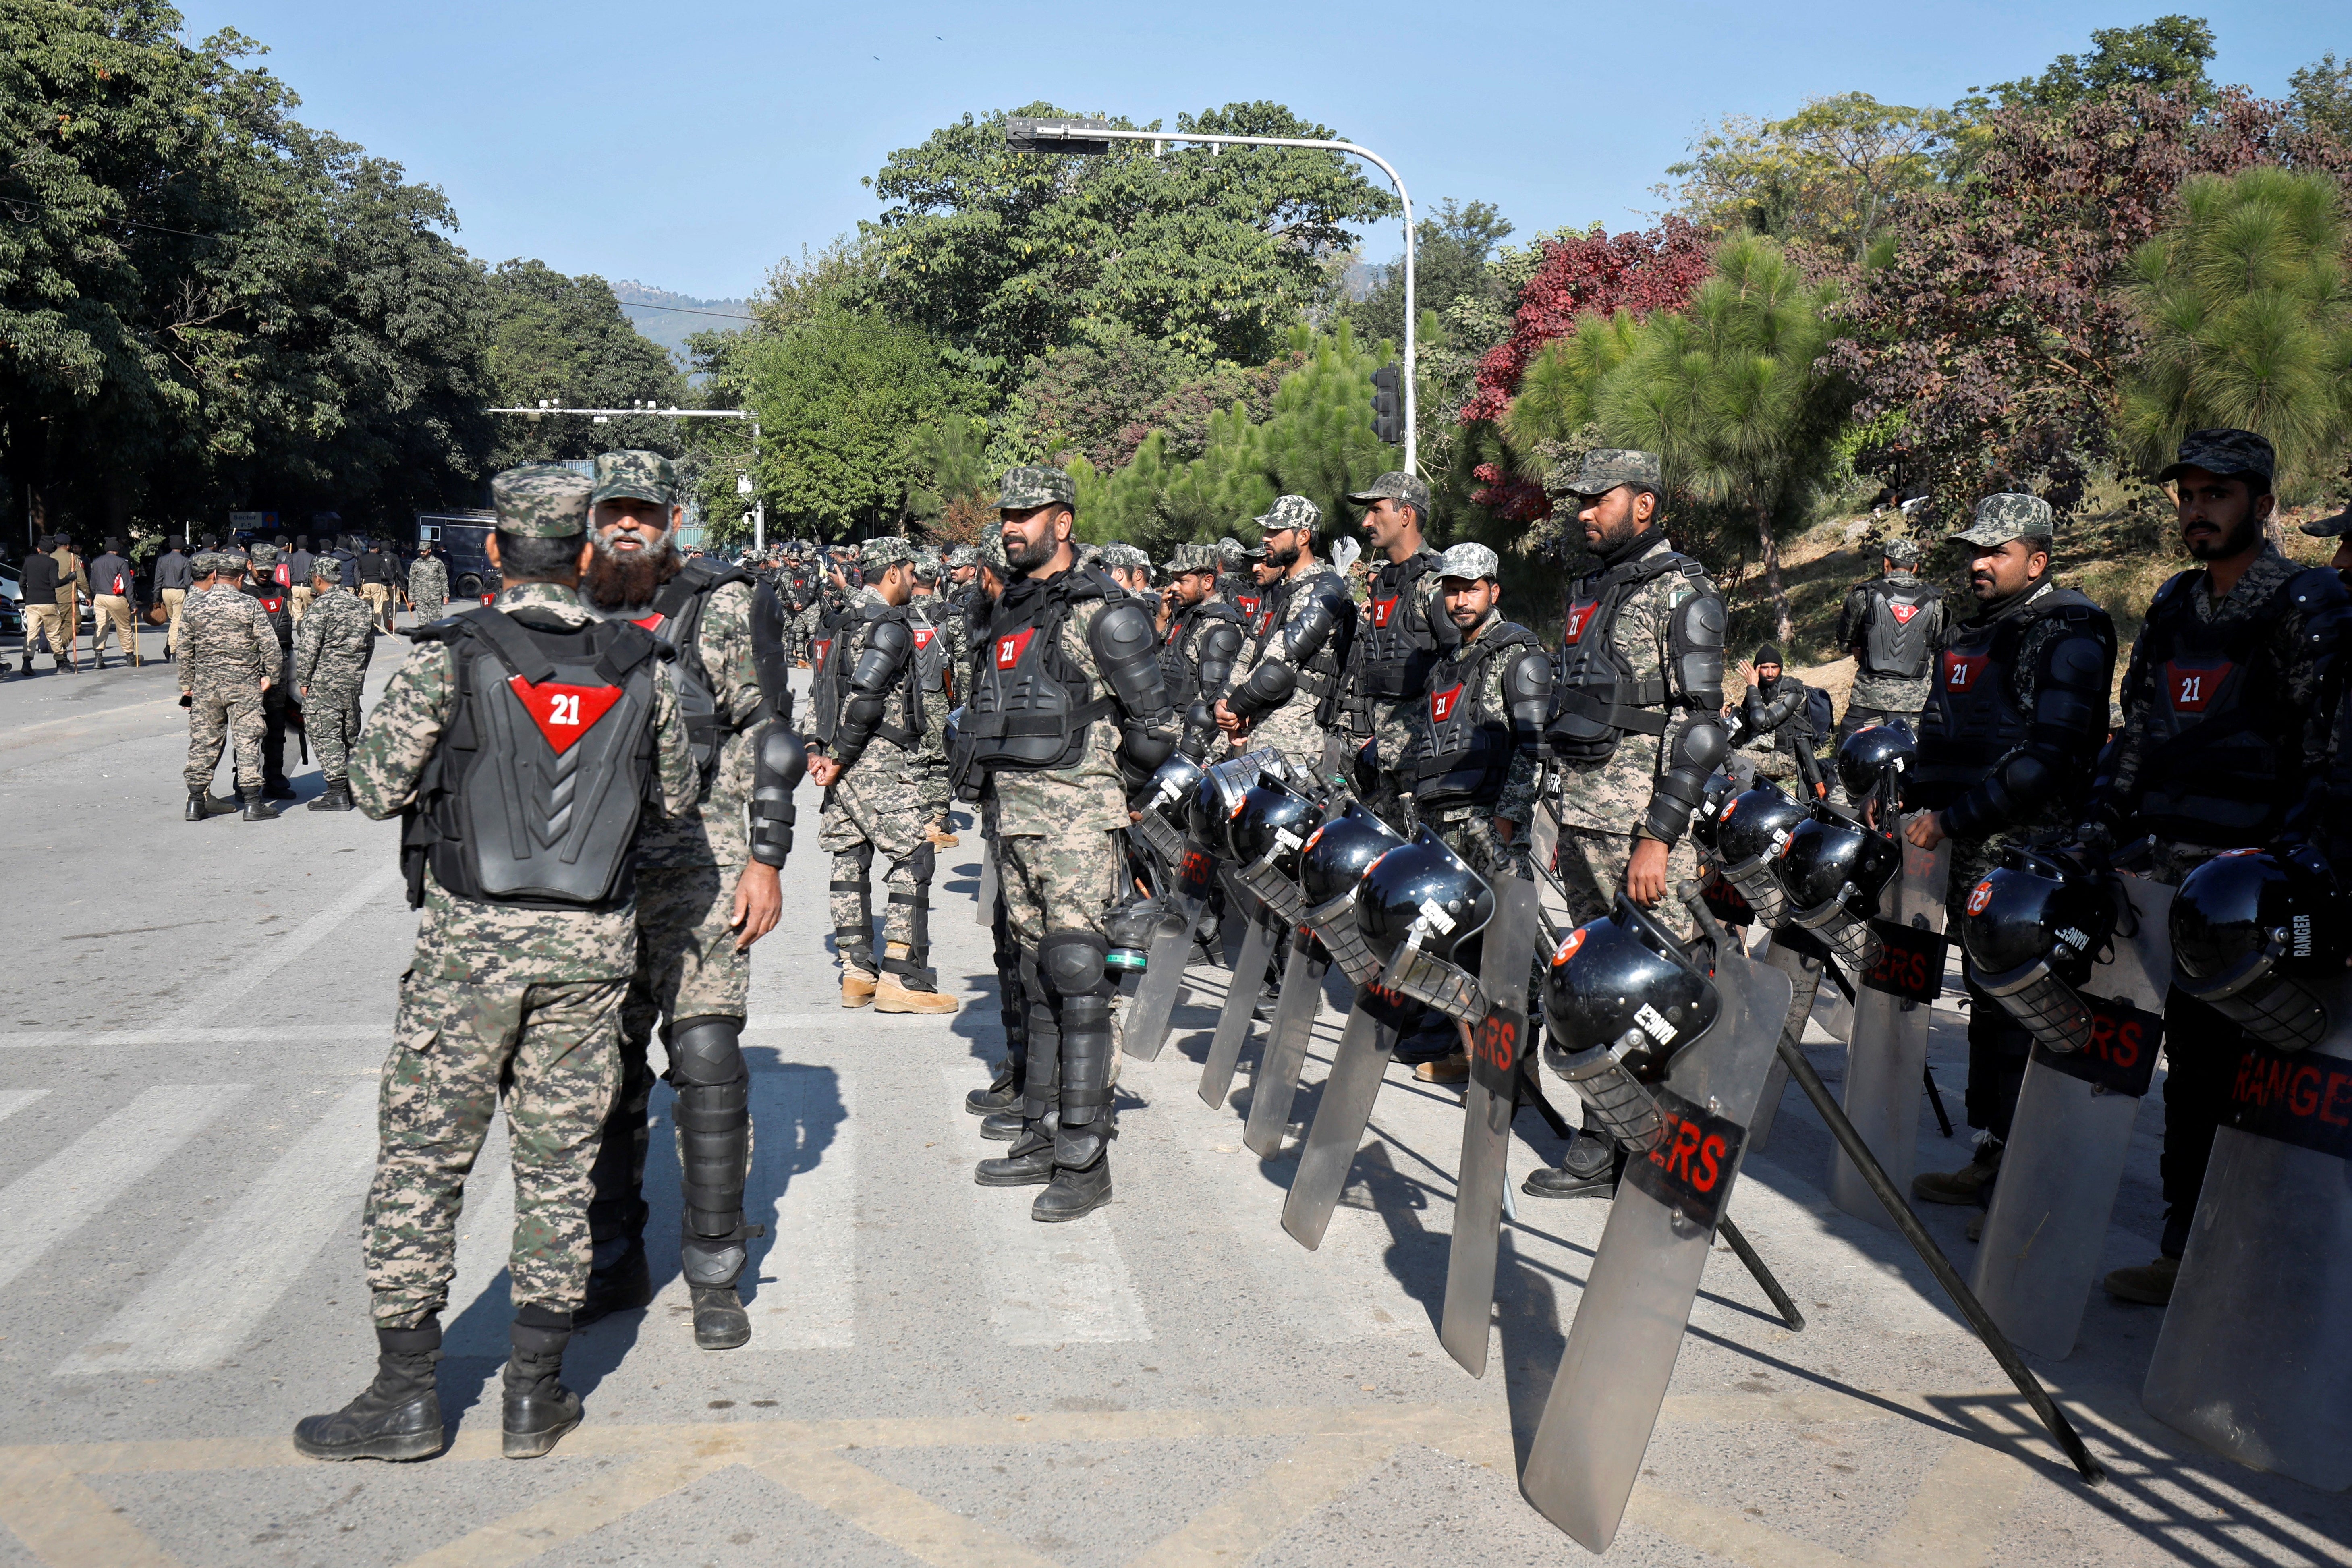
<point>1388,406</point>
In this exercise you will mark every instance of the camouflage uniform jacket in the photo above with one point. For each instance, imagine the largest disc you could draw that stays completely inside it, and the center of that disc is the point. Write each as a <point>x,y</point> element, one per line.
<point>2304,712</point>
<point>429,580</point>
<point>333,644</point>
<point>1517,804</point>
<point>1887,693</point>
<point>1369,715</point>
<point>536,945</point>
<point>717,834</point>
<point>883,768</point>
<point>1292,727</point>
<point>1089,797</point>
<point>1614,796</point>
<point>225,637</point>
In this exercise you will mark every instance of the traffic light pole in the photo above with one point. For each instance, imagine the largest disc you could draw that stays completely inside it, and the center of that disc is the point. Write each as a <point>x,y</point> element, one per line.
<point>759,507</point>
<point>1022,134</point>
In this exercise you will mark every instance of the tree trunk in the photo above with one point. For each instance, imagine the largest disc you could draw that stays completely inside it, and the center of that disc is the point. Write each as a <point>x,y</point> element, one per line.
<point>1783,628</point>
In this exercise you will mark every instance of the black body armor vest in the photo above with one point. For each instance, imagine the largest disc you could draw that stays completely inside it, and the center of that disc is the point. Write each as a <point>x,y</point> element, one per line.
<point>677,619</point>
<point>1028,710</point>
<point>1399,649</point>
<point>2210,768</point>
<point>931,664</point>
<point>1972,719</point>
<point>826,656</point>
<point>533,795</point>
<point>1599,698</point>
<point>1465,750</point>
<point>1894,640</point>
<point>1180,659</point>
<point>841,643</point>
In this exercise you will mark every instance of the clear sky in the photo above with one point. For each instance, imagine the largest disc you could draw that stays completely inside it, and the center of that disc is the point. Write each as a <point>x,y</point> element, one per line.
<point>690,144</point>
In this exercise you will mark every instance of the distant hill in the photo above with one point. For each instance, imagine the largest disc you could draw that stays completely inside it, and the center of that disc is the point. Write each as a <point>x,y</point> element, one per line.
<point>667,318</point>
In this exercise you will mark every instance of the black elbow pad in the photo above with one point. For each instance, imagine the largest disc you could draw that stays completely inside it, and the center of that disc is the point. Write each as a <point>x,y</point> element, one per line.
<point>1269,685</point>
<point>771,654</point>
<point>778,764</point>
<point>1218,645</point>
<point>1696,639</point>
<point>1679,789</point>
<point>1126,646</point>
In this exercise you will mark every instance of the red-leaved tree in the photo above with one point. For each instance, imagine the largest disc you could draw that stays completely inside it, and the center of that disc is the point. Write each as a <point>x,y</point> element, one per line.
<point>1597,273</point>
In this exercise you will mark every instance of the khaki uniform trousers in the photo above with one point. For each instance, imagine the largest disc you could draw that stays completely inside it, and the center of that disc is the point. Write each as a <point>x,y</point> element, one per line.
<point>174,601</point>
<point>113,612</point>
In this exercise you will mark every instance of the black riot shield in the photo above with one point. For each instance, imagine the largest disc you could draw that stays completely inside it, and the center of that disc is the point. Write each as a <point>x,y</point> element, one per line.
<point>1886,1052</point>
<point>2254,1361</point>
<point>1628,1330</point>
<point>1240,1008</point>
<point>1804,971</point>
<point>2070,1137</point>
<point>1499,1046</point>
<point>1274,1086</point>
<point>1146,1029</point>
<point>1356,1069</point>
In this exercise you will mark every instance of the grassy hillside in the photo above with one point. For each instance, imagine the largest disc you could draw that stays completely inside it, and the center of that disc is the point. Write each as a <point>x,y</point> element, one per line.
<point>672,326</point>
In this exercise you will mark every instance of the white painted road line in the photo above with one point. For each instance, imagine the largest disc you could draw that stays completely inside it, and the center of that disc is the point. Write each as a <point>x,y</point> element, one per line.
<point>13,1101</point>
<point>215,1293</point>
<point>1047,1284</point>
<point>804,1187</point>
<point>275,1034</point>
<point>229,987</point>
<point>67,1190</point>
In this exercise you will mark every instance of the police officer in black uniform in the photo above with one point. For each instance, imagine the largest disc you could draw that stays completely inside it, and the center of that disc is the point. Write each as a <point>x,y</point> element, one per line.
<point>2006,744</point>
<point>1200,642</point>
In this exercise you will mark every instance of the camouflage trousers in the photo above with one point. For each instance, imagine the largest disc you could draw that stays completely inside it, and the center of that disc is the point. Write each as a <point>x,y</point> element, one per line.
<point>1391,797</point>
<point>551,1044</point>
<point>865,816</point>
<point>429,610</point>
<point>1469,832</point>
<point>215,716</point>
<point>330,717</point>
<point>907,889</point>
<point>1592,873</point>
<point>1065,883</point>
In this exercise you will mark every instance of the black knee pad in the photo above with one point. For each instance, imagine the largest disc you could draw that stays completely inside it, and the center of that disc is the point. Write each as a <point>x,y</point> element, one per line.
<point>1072,964</point>
<point>706,1051</point>
<point>924,863</point>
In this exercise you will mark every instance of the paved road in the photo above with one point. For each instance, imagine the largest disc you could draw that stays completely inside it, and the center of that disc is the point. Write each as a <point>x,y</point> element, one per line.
<point>193,1019</point>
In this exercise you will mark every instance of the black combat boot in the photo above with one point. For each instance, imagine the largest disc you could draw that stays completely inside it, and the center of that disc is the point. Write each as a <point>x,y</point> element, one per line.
<point>1003,1127</point>
<point>397,1416</point>
<point>1002,1094</point>
<point>278,789</point>
<point>336,796</point>
<point>619,1280</point>
<point>1081,1182</point>
<point>256,809</point>
<point>1590,1169</point>
<point>1030,1162</point>
<point>200,804</point>
<point>537,1409</point>
<point>713,1114</point>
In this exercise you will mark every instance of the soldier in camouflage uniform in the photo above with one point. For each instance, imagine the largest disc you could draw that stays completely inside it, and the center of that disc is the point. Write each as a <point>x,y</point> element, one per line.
<point>1067,704</point>
<point>1403,633</point>
<point>330,659</point>
<point>937,624</point>
<point>501,996</point>
<point>1131,569</point>
<point>1289,692</point>
<point>1892,627</point>
<point>2007,745</point>
<point>229,658</point>
<point>706,889</point>
<point>428,584</point>
<point>1636,725</point>
<point>867,719</point>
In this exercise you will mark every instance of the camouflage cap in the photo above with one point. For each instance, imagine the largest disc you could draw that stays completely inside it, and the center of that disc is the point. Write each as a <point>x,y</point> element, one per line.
<point>1470,561</point>
<point>991,554</point>
<point>264,557</point>
<point>205,563</point>
<point>1395,486</point>
<point>1902,551</point>
<point>878,555</point>
<point>1031,486</point>
<point>635,475</point>
<point>541,500</point>
<point>1290,511</point>
<point>2330,526</point>
<point>2225,452</point>
<point>1232,550</point>
<point>1606,468</point>
<point>2007,516</point>
<point>1193,558</point>
<point>964,555</point>
<point>1127,556</point>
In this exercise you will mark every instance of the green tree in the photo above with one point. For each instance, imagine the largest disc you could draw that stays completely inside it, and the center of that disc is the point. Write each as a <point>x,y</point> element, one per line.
<point>1457,242</point>
<point>564,341</point>
<point>2168,54</point>
<point>2246,320</point>
<point>2323,95</point>
<point>1213,255</point>
<point>1828,175</point>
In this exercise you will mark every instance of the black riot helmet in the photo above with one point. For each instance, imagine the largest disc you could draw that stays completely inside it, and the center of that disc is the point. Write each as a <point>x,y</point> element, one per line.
<point>1267,832</point>
<point>1166,804</point>
<point>1419,906</point>
<point>1221,786</point>
<point>1331,868</point>
<point>1750,830</point>
<point>2032,927</point>
<point>1834,870</point>
<point>1621,999</point>
<point>1876,759</point>
<point>1712,795</point>
<point>2252,932</point>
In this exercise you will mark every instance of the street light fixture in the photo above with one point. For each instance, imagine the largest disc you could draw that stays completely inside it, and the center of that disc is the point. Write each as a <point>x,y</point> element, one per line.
<point>1092,138</point>
<point>604,416</point>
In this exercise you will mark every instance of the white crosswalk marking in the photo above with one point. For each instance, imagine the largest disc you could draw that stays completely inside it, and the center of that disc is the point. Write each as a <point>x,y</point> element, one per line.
<point>485,1239</point>
<point>804,1187</point>
<point>1047,1284</point>
<point>13,1101</point>
<point>290,946</point>
<point>218,1290</point>
<point>66,1190</point>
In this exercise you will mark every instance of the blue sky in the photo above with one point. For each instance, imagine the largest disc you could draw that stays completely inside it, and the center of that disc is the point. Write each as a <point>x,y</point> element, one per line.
<point>689,145</point>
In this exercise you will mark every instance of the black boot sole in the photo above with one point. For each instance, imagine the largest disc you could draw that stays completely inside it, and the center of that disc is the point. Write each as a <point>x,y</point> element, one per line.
<point>402,1448</point>
<point>1595,1187</point>
<point>1024,1178</point>
<point>534,1445</point>
<point>1043,1215</point>
<point>988,1103</point>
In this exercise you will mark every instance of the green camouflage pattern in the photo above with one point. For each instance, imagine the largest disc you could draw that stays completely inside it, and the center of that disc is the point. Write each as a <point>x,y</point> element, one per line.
<point>1515,803</point>
<point>1290,511</point>
<point>227,647</point>
<point>1469,832</point>
<point>2005,516</point>
<point>717,835</point>
<point>1290,728</point>
<point>1031,486</point>
<point>428,588</point>
<point>1592,873</point>
<point>1187,558</point>
<point>1396,486</point>
<point>990,553</point>
<point>1089,797</point>
<point>687,963</point>
<point>331,646</point>
<point>541,500</point>
<point>1606,468</point>
<point>1056,882</point>
<point>1902,551</point>
<point>878,555</point>
<point>634,474</point>
<point>2226,452</point>
<point>264,557</point>
<point>874,809</point>
<point>1470,563</point>
<point>465,1028</point>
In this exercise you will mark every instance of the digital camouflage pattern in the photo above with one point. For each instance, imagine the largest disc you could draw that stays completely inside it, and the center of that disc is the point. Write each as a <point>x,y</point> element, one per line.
<point>942,621</point>
<point>878,555</point>
<point>1187,558</point>
<point>2225,452</point>
<point>1606,468</point>
<point>428,588</point>
<point>541,500</point>
<point>1517,801</point>
<point>1470,561</point>
<point>635,474</point>
<point>1398,486</point>
<point>1031,486</point>
<point>1902,551</point>
<point>874,808</point>
<point>1394,723</point>
<point>687,963</point>
<point>1056,882</point>
<point>717,835</point>
<point>1290,728</point>
<point>1886,693</point>
<point>227,647</point>
<point>1088,798</point>
<point>330,659</point>
<point>1291,511</point>
<point>2005,516</point>
<point>1592,873</point>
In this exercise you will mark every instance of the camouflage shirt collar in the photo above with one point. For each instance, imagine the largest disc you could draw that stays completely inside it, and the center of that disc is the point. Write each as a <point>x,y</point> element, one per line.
<point>2253,591</point>
<point>554,597</point>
